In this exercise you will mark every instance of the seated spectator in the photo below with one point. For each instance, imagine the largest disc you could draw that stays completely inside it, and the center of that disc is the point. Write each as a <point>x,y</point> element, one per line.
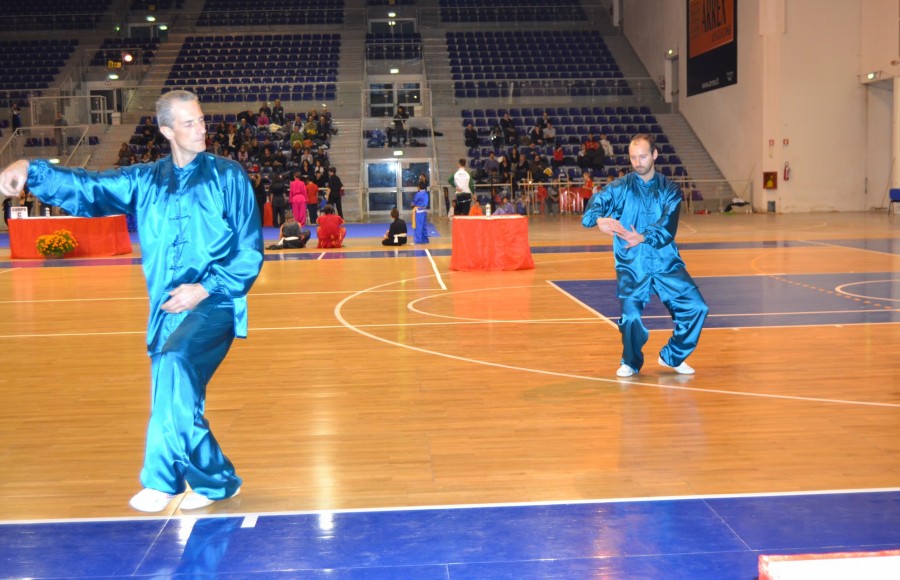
<point>607,147</point>
<point>149,132</point>
<point>537,167</point>
<point>536,136</point>
<point>331,231</point>
<point>262,120</point>
<point>544,120</point>
<point>310,129</point>
<point>293,236</point>
<point>492,167</point>
<point>510,133</point>
<point>264,109</point>
<point>277,115</point>
<point>123,157</point>
<point>496,137</point>
<point>549,133</point>
<point>475,208</point>
<point>559,157</point>
<point>396,234</point>
<point>471,136</point>
<point>505,207</point>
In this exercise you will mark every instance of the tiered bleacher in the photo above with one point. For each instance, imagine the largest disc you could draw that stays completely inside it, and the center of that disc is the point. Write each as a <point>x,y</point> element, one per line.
<point>489,64</point>
<point>393,46</point>
<point>53,14</point>
<point>112,49</point>
<point>27,67</point>
<point>225,13</point>
<point>509,11</point>
<point>150,5</point>
<point>258,67</point>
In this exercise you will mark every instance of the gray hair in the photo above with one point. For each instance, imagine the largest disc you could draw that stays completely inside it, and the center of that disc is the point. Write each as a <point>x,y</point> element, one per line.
<point>164,115</point>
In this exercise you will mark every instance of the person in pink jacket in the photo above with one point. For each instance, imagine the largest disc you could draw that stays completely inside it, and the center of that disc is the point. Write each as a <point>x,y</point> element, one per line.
<point>298,199</point>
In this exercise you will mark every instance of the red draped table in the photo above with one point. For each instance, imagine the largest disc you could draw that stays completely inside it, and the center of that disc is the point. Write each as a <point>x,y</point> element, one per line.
<point>104,236</point>
<point>482,243</point>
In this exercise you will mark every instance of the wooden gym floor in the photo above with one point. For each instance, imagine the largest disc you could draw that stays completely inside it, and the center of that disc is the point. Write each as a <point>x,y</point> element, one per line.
<point>375,380</point>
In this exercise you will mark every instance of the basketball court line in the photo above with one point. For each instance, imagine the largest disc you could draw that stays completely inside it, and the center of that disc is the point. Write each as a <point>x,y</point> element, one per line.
<point>358,329</point>
<point>461,506</point>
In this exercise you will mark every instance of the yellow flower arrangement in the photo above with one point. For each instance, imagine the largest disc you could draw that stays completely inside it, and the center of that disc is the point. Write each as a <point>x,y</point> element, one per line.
<point>57,244</point>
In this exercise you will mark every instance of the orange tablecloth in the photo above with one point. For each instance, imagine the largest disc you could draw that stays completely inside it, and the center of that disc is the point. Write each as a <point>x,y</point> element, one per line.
<point>104,236</point>
<point>267,214</point>
<point>483,243</point>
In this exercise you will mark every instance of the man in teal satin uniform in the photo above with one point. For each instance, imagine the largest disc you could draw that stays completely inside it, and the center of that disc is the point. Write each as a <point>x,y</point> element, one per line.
<point>641,211</point>
<point>202,249</point>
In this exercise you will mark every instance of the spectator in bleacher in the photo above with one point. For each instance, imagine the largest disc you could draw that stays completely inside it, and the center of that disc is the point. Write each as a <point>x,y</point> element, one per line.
<point>296,134</point>
<point>149,132</point>
<point>544,121</point>
<point>590,143</point>
<point>307,156</point>
<point>536,167</point>
<point>320,173</point>
<point>496,137</point>
<point>311,129</point>
<point>505,171</point>
<point>262,120</point>
<point>123,157</point>
<point>266,159</point>
<point>549,133</point>
<point>307,171</point>
<point>245,127</point>
<point>519,162</point>
<point>559,157</point>
<point>230,141</point>
<point>321,155</point>
<point>335,190</point>
<point>59,133</point>
<point>396,234</point>
<point>277,115</point>
<point>505,207</point>
<point>246,117</point>
<point>536,136</point>
<point>471,136</point>
<point>264,109</point>
<point>492,167</point>
<point>508,126</point>
<point>243,155</point>
<point>606,146</point>
<point>15,114</point>
<point>641,213</point>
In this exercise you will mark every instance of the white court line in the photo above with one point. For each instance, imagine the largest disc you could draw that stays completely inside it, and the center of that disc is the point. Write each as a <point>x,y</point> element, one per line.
<point>815,243</point>
<point>322,255</point>
<point>463,506</point>
<point>5,271</point>
<point>249,521</point>
<point>435,268</point>
<point>599,315</point>
<point>343,321</point>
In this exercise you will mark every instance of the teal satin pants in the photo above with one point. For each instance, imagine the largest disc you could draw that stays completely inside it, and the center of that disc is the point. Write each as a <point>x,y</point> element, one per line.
<point>688,312</point>
<point>180,446</point>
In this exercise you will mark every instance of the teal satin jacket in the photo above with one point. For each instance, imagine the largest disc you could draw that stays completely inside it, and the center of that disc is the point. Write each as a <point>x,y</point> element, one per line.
<point>197,224</point>
<point>655,265</point>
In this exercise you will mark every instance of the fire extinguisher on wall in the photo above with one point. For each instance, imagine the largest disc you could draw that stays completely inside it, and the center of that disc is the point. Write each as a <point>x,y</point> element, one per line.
<point>787,171</point>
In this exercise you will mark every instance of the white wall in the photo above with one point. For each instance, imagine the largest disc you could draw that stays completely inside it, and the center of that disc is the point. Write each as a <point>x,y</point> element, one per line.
<point>798,79</point>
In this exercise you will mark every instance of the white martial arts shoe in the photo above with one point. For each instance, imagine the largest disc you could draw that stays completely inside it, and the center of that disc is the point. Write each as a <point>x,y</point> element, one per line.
<point>150,500</point>
<point>682,369</point>
<point>195,501</point>
<point>625,371</point>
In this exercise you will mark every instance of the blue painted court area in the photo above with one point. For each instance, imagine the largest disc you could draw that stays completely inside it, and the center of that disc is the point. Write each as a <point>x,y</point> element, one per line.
<point>774,300</point>
<point>715,537</point>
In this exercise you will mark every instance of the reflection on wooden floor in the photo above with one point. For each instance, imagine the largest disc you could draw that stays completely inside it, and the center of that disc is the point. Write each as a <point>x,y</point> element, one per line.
<point>364,384</point>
